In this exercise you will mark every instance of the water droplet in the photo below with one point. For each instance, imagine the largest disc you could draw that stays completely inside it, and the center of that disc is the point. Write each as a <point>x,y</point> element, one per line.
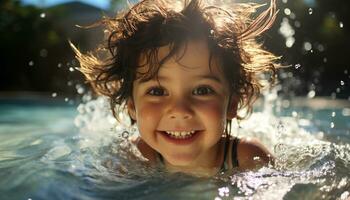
<point>297,24</point>
<point>320,47</point>
<point>80,90</point>
<point>211,32</point>
<point>342,83</point>
<point>43,53</point>
<point>279,148</point>
<point>285,103</point>
<point>284,1</point>
<point>297,66</point>
<point>224,191</point>
<point>31,63</point>
<point>312,86</point>
<point>59,65</point>
<point>338,90</point>
<point>346,71</point>
<point>71,69</point>
<point>341,25</point>
<point>290,42</point>
<point>294,114</point>
<point>311,94</point>
<point>333,95</point>
<point>287,11</point>
<point>287,31</point>
<point>292,16</point>
<point>71,102</point>
<point>332,124</point>
<point>333,114</point>
<point>256,158</point>
<point>307,46</point>
<point>54,94</point>
<point>310,11</point>
<point>280,129</point>
<point>125,134</point>
<point>325,59</point>
<point>66,99</point>
<point>42,15</point>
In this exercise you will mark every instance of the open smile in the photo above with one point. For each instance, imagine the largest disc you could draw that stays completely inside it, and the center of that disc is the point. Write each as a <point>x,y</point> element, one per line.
<point>180,137</point>
<point>180,134</point>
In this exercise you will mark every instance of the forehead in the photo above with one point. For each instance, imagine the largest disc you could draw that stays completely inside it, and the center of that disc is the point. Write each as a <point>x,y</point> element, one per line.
<point>194,55</point>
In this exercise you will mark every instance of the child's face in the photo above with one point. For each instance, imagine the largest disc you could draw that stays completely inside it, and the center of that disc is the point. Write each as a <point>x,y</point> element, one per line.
<point>188,97</point>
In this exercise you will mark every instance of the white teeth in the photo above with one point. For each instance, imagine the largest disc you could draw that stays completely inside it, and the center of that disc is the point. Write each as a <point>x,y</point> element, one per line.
<point>180,134</point>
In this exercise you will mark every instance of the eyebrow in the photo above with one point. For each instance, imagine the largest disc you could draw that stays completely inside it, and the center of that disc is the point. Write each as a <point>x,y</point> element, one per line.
<point>205,76</point>
<point>210,77</point>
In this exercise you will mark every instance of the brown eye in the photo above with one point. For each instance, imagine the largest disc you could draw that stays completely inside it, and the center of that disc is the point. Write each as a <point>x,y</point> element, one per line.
<point>156,91</point>
<point>203,90</point>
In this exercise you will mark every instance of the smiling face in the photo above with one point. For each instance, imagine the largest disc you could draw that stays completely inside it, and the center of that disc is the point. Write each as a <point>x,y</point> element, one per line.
<point>182,113</point>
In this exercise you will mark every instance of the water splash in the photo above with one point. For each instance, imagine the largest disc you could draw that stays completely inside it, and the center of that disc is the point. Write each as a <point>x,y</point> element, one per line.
<point>304,158</point>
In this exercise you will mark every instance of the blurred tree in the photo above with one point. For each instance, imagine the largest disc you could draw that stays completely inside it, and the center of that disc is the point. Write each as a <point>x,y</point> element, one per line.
<point>35,55</point>
<point>27,38</point>
<point>320,51</point>
<point>34,50</point>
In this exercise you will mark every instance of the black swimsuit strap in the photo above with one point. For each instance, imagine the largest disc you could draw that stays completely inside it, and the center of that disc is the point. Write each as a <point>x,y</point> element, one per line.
<point>226,146</point>
<point>234,152</point>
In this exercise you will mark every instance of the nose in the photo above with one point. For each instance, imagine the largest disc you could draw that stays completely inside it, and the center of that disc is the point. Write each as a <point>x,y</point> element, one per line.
<point>180,110</point>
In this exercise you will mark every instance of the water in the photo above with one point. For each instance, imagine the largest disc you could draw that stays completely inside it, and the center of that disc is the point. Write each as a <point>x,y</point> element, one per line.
<point>54,150</point>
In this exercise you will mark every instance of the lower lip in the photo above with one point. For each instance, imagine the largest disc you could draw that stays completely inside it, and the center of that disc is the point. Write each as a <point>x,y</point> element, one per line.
<point>184,141</point>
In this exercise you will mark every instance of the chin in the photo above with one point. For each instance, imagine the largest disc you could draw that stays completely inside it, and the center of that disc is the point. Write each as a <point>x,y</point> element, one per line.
<point>180,160</point>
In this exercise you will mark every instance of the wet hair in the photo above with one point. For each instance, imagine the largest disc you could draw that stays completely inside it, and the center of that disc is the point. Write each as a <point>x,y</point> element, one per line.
<point>228,28</point>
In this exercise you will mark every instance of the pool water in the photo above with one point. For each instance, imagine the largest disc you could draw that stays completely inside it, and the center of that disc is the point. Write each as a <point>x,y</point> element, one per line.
<point>52,150</point>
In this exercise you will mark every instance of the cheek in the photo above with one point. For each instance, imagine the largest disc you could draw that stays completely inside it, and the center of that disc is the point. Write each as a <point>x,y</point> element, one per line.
<point>214,115</point>
<point>214,110</point>
<point>148,114</point>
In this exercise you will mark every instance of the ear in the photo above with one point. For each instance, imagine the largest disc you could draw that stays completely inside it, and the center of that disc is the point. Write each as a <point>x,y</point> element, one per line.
<point>131,109</point>
<point>232,107</point>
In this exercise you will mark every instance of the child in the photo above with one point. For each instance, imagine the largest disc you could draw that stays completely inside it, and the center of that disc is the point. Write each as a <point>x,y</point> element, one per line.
<point>183,69</point>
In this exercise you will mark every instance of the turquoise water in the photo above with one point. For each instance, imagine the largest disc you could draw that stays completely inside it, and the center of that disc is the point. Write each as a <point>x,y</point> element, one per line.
<point>51,150</point>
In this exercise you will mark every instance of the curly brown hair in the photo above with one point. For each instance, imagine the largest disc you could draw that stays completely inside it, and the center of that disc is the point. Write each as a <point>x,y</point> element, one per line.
<point>228,28</point>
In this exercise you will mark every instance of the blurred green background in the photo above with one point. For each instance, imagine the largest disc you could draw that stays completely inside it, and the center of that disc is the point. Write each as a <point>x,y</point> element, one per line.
<point>312,36</point>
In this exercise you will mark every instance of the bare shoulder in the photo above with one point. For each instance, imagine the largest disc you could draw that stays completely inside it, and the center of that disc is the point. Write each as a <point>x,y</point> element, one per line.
<point>252,154</point>
<point>146,151</point>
